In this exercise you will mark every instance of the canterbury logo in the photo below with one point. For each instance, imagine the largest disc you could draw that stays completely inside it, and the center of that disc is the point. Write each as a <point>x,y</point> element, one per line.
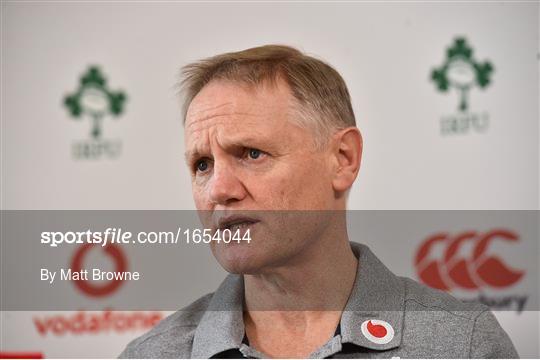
<point>472,272</point>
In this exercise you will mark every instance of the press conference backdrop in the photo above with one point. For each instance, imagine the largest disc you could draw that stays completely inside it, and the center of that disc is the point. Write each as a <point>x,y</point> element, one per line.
<point>445,94</point>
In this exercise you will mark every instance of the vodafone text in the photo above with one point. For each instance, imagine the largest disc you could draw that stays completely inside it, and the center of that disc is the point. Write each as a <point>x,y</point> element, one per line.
<point>96,322</point>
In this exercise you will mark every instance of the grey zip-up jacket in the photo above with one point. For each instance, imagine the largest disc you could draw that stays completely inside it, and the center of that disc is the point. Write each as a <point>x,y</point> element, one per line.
<point>386,316</point>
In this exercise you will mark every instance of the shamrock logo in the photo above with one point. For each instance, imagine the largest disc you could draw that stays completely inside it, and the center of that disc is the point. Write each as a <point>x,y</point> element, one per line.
<point>94,99</point>
<point>461,71</point>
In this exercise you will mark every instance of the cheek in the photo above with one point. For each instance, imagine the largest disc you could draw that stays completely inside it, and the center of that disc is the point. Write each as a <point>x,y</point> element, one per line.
<point>200,197</point>
<point>299,187</point>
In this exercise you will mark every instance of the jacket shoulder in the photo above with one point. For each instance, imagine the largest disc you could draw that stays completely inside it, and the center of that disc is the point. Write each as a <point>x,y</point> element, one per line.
<point>171,337</point>
<point>420,296</point>
<point>460,329</point>
<point>490,340</point>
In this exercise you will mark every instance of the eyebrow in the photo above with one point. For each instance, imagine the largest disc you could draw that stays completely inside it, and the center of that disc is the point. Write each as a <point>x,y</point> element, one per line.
<point>244,141</point>
<point>190,155</point>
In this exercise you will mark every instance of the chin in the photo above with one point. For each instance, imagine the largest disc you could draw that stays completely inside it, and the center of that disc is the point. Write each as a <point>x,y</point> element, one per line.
<point>238,258</point>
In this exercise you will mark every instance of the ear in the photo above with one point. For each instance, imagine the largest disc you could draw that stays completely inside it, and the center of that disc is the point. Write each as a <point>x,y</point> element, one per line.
<point>348,153</point>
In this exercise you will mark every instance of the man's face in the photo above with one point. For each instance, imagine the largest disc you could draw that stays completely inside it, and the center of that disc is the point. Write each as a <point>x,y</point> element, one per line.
<point>250,161</point>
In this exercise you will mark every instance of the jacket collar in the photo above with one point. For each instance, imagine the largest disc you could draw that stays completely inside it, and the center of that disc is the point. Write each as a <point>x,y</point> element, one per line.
<point>222,325</point>
<point>377,294</point>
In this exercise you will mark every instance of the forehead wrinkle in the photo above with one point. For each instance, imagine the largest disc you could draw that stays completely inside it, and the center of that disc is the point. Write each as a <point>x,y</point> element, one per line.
<point>197,147</point>
<point>210,111</point>
<point>204,120</point>
<point>206,107</point>
<point>209,108</point>
<point>203,137</point>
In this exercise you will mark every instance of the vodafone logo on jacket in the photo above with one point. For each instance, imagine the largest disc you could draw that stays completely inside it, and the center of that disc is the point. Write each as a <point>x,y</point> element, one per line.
<point>377,331</point>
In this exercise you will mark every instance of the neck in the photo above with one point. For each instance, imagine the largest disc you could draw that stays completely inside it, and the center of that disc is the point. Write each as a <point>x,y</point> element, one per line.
<point>294,309</point>
<point>319,278</point>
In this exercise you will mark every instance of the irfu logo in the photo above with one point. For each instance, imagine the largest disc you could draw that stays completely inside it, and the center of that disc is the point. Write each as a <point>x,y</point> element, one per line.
<point>93,99</point>
<point>462,72</point>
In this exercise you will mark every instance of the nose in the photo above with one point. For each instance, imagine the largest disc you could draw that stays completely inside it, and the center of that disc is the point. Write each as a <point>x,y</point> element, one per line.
<point>225,186</point>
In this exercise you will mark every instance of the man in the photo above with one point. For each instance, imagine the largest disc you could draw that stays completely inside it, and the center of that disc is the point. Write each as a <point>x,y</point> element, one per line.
<point>270,137</point>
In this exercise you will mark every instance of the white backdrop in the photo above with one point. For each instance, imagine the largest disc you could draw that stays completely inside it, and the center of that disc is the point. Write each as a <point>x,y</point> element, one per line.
<point>385,51</point>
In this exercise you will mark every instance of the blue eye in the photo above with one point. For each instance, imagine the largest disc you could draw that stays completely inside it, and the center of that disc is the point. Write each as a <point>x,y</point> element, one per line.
<point>202,165</point>
<point>254,153</point>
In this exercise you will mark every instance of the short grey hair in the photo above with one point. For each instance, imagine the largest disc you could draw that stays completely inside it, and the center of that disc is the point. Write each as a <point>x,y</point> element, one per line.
<point>322,98</point>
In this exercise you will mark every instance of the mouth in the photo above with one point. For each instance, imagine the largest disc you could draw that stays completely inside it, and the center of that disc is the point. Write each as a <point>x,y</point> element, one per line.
<point>237,222</point>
